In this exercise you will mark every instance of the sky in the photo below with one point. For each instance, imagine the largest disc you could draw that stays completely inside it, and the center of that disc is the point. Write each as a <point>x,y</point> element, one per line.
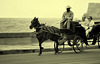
<point>42,8</point>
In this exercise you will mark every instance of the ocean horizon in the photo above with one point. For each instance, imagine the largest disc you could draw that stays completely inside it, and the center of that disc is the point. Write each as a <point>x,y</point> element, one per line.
<point>17,25</point>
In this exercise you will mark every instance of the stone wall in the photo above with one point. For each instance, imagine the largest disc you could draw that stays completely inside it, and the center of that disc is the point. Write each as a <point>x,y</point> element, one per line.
<point>18,38</point>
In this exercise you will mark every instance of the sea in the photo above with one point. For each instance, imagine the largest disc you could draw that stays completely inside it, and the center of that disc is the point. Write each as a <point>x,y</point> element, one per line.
<point>17,25</point>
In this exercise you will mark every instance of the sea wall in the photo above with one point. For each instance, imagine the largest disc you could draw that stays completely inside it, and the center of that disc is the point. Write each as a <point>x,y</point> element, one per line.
<point>17,38</point>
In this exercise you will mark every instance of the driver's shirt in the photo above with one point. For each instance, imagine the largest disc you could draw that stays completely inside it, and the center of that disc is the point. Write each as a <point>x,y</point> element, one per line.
<point>68,15</point>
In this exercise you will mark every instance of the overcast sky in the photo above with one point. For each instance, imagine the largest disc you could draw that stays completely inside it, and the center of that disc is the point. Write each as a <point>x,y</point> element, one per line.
<point>42,8</point>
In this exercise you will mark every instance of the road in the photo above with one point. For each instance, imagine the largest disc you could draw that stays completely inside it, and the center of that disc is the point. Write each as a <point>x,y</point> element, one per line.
<point>90,56</point>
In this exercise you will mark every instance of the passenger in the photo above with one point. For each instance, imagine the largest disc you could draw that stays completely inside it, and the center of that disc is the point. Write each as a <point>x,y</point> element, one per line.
<point>84,16</point>
<point>83,19</point>
<point>88,24</point>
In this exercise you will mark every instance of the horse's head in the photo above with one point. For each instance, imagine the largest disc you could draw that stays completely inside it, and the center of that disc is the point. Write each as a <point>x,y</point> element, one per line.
<point>34,23</point>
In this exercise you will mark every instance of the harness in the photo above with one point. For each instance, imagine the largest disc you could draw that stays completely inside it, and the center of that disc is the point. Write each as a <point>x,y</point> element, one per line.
<point>48,29</point>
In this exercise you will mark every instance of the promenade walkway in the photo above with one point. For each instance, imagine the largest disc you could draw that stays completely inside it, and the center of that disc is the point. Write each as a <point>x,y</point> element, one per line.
<point>48,46</point>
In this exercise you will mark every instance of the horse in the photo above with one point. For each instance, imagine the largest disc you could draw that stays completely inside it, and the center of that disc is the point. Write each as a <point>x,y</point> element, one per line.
<point>44,33</point>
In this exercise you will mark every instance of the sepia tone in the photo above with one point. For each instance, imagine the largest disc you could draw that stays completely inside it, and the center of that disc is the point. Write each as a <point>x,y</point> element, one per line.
<point>19,44</point>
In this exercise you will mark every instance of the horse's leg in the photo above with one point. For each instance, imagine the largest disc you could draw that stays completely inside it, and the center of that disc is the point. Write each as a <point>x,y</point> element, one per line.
<point>40,40</point>
<point>56,50</point>
<point>40,52</point>
<point>40,45</point>
<point>69,43</point>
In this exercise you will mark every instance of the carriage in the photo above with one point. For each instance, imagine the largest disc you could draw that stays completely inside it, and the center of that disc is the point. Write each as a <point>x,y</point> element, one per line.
<point>77,36</point>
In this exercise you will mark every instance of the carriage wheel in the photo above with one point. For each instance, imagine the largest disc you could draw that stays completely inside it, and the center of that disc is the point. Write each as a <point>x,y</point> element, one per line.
<point>60,47</point>
<point>98,38</point>
<point>78,45</point>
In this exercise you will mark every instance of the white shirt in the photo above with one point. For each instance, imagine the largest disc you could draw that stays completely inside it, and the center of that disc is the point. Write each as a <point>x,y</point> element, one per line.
<point>88,24</point>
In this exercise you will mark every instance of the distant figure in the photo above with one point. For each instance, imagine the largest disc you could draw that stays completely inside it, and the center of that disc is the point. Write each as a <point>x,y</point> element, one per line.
<point>88,24</point>
<point>66,18</point>
<point>84,17</point>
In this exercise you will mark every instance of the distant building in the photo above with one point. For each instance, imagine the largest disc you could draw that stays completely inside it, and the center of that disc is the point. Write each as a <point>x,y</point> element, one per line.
<point>94,10</point>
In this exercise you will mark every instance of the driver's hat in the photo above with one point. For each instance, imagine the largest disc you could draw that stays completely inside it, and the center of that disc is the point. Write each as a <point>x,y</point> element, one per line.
<point>68,6</point>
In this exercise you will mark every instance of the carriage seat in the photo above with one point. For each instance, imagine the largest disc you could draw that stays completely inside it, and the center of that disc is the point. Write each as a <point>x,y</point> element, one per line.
<point>76,23</point>
<point>95,31</point>
<point>73,28</point>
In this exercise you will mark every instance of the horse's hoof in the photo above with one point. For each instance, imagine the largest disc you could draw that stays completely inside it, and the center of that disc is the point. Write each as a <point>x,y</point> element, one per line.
<point>42,48</point>
<point>39,54</point>
<point>56,53</point>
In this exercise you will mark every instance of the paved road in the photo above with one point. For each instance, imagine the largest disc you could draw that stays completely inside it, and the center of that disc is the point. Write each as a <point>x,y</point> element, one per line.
<point>91,56</point>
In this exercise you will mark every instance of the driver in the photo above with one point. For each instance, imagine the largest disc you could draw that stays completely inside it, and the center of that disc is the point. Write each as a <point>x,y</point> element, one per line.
<point>66,23</point>
<point>66,18</point>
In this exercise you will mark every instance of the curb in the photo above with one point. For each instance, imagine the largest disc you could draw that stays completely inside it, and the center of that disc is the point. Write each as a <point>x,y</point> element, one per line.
<point>22,51</point>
